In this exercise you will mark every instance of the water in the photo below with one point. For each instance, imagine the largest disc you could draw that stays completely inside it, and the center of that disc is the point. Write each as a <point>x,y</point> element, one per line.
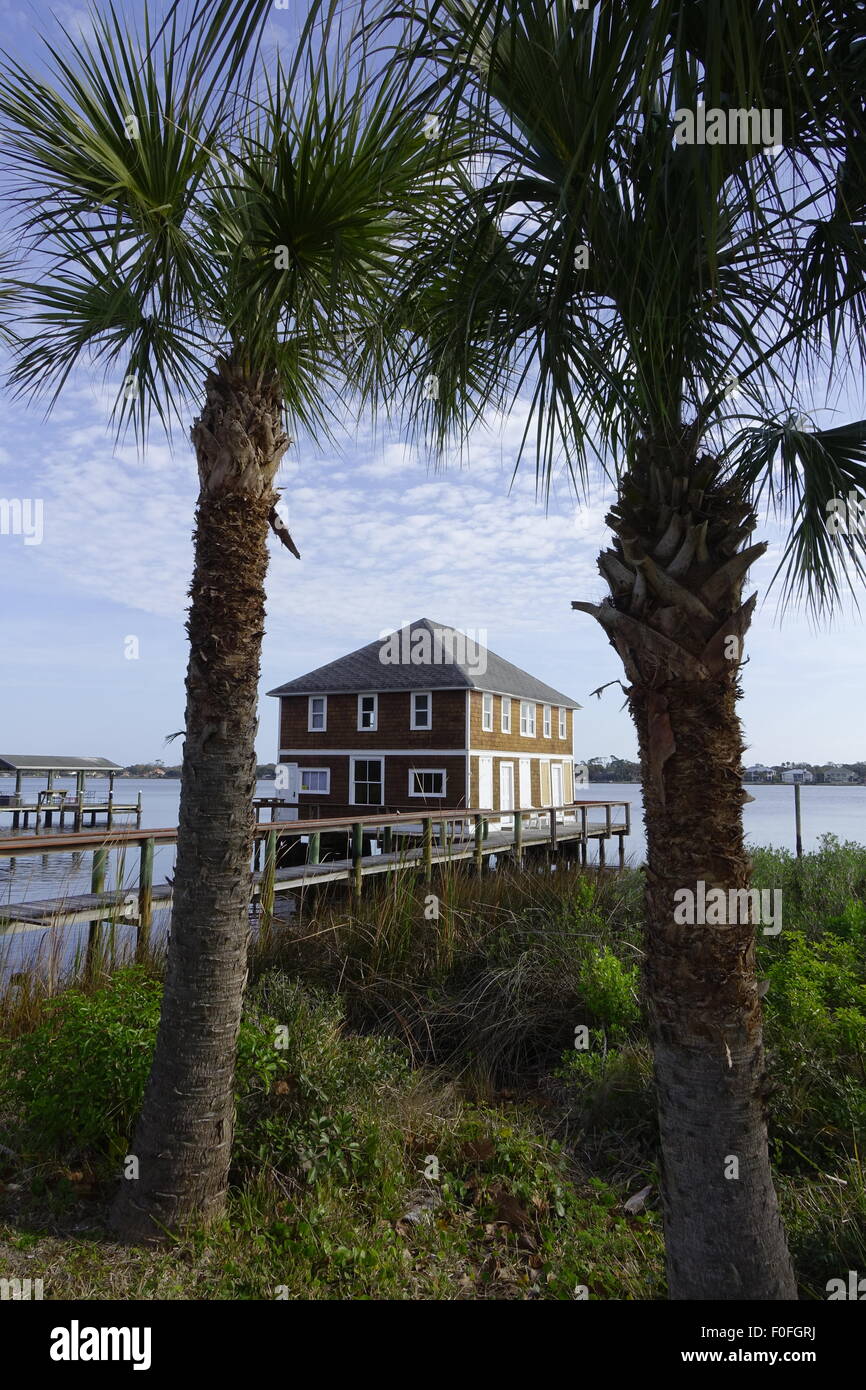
<point>57,875</point>
<point>768,820</point>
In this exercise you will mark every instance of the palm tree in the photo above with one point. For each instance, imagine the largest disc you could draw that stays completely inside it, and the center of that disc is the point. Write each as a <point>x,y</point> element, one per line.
<point>657,300</point>
<point>202,247</point>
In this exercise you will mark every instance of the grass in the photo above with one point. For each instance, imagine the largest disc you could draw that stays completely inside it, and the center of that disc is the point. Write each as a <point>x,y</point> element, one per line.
<point>461,1109</point>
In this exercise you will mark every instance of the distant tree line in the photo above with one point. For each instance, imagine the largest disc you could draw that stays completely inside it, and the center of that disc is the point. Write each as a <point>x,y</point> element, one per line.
<point>264,771</point>
<point>614,769</point>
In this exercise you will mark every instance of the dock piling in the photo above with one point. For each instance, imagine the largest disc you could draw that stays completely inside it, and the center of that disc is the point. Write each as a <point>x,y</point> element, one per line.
<point>97,885</point>
<point>145,898</point>
<point>428,849</point>
<point>357,858</point>
<point>479,844</point>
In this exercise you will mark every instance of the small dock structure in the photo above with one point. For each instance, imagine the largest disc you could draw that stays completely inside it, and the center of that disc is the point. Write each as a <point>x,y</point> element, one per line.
<point>52,804</point>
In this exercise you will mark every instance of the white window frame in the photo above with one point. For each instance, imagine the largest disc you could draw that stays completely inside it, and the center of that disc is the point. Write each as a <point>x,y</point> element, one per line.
<point>529,731</point>
<point>318,791</point>
<point>368,728</point>
<point>317,728</point>
<point>563,722</point>
<point>487,713</point>
<point>546,721</point>
<point>354,758</point>
<point>413,724</point>
<point>505,717</point>
<point>436,772</point>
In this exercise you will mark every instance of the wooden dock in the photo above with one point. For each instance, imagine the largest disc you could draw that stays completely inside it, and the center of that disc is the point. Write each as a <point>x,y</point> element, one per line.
<point>56,807</point>
<point>403,841</point>
<point>53,804</point>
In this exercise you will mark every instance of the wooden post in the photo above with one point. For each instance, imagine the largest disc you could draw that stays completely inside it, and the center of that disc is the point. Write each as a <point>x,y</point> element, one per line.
<point>601,851</point>
<point>357,857</point>
<point>621,839</point>
<point>428,849</point>
<point>110,799</point>
<point>388,840</point>
<point>138,810</point>
<point>553,829</point>
<point>798,821</point>
<point>479,841</point>
<point>266,889</point>
<point>16,814</point>
<point>49,788</point>
<point>145,898</point>
<point>518,836</point>
<point>314,847</point>
<point>97,885</point>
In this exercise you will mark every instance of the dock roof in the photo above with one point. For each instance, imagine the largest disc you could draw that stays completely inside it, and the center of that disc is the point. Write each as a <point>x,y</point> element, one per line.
<point>54,762</point>
<point>369,669</point>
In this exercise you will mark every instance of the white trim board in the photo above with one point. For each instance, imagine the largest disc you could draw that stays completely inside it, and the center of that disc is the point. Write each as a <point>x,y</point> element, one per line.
<point>371,752</point>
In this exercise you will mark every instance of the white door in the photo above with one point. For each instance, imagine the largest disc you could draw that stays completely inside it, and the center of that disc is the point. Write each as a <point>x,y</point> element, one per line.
<point>525,783</point>
<point>485,782</point>
<point>506,791</point>
<point>556,796</point>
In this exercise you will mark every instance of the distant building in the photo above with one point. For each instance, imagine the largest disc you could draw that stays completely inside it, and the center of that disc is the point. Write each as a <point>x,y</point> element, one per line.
<point>838,776</point>
<point>797,774</point>
<point>759,773</point>
<point>426,717</point>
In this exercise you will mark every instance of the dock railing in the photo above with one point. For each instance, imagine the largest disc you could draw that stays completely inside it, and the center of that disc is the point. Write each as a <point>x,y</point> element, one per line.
<point>415,839</point>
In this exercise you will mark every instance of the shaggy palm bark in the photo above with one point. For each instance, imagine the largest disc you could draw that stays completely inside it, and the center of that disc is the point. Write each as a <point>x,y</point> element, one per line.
<point>184,1136</point>
<point>677,620</point>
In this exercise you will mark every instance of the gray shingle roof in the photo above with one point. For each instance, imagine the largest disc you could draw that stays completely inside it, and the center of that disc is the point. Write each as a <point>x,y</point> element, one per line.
<point>49,762</point>
<point>449,660</point>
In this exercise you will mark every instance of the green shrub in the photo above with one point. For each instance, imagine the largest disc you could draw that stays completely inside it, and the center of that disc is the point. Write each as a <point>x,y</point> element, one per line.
<point>72,1087</point>
<point>609,990</point>
<point>315,1121</point>
<point>816,1038</point>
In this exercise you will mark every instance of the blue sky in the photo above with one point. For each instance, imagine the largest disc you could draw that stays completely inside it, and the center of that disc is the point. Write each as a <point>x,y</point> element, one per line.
<point>383,538</point>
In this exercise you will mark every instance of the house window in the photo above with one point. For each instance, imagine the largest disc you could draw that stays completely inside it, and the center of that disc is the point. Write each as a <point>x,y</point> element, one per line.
<point>527,718</point>
<point>368,711</point>
<point>421,710</point>
<point>427,781</point>
<point>505,723</point>
<point>562,723</point>
<point>366,781</point>
<point>546,725</point>
<point>315,779</point>
<point>317,713</point>
<point>487,713</point>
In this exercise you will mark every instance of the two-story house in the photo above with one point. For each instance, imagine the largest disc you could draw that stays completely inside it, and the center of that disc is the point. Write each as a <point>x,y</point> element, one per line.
<point>426,716</point>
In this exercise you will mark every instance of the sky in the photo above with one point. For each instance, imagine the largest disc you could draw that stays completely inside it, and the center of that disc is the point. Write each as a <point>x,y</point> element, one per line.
<point>384,539</point>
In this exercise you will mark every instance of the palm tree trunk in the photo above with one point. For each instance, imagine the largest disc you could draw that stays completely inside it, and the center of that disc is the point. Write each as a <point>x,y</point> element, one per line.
<point>677,620</point>
<point>184,1136</point>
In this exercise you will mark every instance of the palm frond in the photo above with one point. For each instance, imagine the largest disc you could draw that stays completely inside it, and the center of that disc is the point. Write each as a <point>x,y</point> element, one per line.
<point>812,480</point>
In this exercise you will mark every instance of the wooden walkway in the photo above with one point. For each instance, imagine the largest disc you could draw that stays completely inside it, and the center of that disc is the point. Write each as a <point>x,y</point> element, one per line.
<point>424,840</point>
